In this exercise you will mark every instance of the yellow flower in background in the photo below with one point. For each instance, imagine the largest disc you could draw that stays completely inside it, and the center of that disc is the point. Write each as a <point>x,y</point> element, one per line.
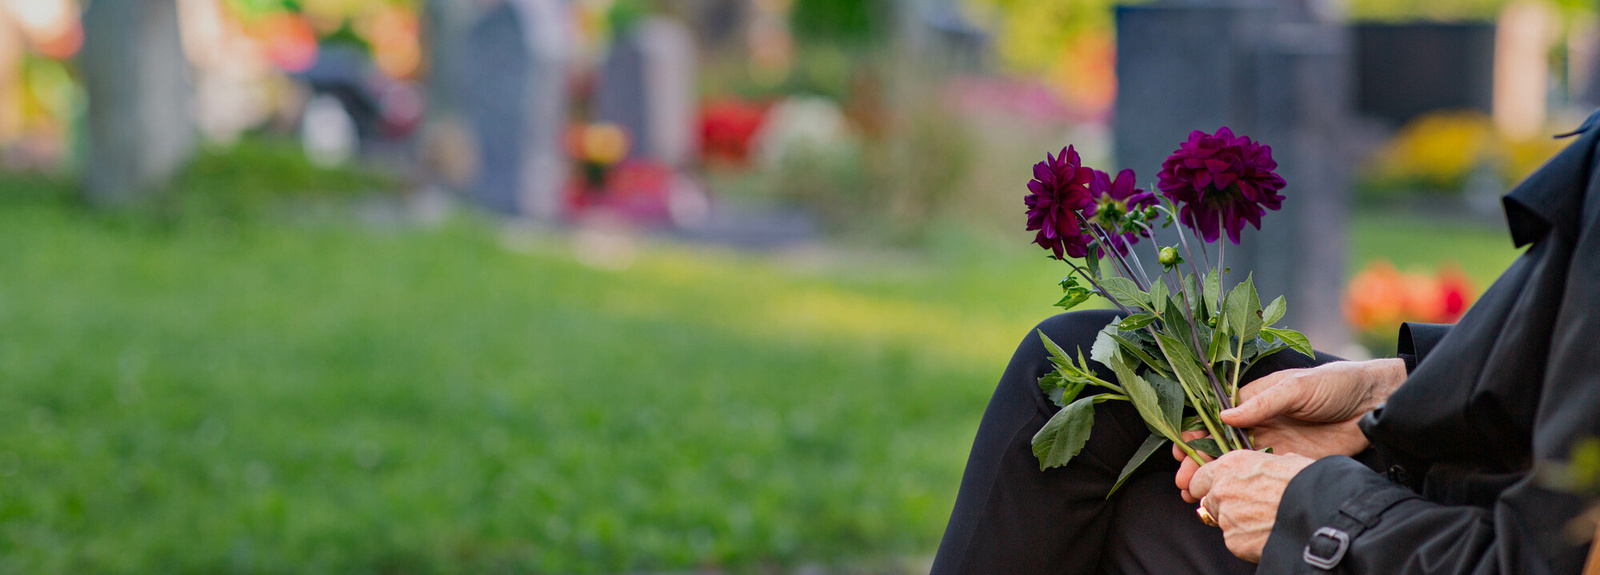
<point>1438,150</point>
<point>605,144</point>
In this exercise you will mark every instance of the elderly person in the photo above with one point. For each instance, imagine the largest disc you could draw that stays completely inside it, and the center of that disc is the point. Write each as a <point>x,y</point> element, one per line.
<point>1427,463</point>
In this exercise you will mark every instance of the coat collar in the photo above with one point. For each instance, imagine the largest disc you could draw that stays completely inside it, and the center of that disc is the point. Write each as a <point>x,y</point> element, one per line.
<point>1552,198</point>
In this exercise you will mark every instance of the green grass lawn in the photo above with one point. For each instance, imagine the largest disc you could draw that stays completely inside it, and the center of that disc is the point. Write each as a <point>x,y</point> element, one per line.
<point>215,395</point>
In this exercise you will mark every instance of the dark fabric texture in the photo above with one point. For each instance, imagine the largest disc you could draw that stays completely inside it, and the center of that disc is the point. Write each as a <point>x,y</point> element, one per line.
<point>1511,386</point>
<point>1010,517</point>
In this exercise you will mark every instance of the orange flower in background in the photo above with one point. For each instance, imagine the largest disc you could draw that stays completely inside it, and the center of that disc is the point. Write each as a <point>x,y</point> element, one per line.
<point>288,40</point>
<point>1374,296</point>
<point>604,144</point>
<point>1380,297</point>
<point>394,31</point>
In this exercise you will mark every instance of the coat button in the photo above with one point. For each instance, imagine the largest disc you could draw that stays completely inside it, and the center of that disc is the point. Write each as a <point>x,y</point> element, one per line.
<point>1398,474</point>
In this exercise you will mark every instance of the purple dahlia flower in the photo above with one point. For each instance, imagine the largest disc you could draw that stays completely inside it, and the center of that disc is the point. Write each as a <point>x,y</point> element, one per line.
<point>1060,187</point>
<point>1221,180</point>
<point>1113,200</point>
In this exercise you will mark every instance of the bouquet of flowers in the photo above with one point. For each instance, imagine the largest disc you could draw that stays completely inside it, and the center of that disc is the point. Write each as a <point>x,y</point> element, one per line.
<point>1182,342</point>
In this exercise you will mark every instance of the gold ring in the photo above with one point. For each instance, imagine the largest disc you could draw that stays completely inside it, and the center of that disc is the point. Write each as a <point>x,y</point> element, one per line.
<point>1205,515</point>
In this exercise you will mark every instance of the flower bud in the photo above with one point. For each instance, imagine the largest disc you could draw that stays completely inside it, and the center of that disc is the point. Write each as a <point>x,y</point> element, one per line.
<point>1151,213</point>
<point>1169,256</point>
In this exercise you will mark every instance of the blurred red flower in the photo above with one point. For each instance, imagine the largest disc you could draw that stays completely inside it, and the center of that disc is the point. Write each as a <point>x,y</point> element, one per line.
<point>727,127</point>
<point>1380,297</point>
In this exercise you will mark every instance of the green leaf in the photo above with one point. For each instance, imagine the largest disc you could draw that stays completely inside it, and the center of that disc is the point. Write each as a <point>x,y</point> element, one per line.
<point>1265,350</point>
<point>1213,293</point>
<point>1055,350</point>
<point>1170,396</point>
<point>1193,423</point>
<point>1105,345</point>
<point>1183,364</point>
<point>1150,445</point>
<point>1177,326</point>
<point>1220,347</point>
<point>1275,311</point>
<point>1267,450</point>
<point>1142,395</point>
<point>1132,346</point>
<point>1159,297</point>
<point>1244,310</point>
<point>1065,434</point>
<point>1136,321</point>
<point>1295,339</point>
<point>1192,284</point>
<point>1051,381</point>
<point>1204,445</point>
<point>1068,394</point>
<point>1073,299</point>
<point>1125,291</point>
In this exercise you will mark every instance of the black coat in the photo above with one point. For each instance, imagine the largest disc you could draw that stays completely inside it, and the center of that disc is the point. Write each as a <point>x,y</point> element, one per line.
<point>1508,389</point>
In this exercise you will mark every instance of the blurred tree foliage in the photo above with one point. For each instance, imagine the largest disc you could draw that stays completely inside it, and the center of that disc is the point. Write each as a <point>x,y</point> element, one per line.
<point>854,22</point>
<point>1033,33</point>
<point>1405,10</point>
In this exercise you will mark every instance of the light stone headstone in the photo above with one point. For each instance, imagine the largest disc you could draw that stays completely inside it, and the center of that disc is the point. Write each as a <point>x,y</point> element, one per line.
<point>647,86</point>
<point>141,131</point>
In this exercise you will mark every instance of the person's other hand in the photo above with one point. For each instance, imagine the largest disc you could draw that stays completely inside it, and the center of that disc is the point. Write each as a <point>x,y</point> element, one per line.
<point>1310,412</point>
<point>1329,393</point>
<point>1242,490</point>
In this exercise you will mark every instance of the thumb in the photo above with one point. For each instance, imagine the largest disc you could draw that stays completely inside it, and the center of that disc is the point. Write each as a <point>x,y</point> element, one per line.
<point>1271,402</point>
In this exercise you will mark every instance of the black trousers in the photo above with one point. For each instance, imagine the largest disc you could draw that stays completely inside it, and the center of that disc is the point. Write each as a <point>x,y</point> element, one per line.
<point>1010,517</point>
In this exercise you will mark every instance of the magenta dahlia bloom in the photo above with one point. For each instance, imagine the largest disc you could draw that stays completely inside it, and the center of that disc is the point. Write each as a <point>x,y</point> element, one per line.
<point>1113,201</point>
<point>1221,181</point>
<point>1059,189</point>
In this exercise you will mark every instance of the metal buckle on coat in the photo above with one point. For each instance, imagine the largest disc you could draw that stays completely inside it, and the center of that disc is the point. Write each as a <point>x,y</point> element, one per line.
<point>1328,562</point>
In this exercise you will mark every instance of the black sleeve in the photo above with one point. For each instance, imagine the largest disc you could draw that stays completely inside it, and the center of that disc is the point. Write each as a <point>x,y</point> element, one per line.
<point>1417,339</point>
<point>1338,516</point>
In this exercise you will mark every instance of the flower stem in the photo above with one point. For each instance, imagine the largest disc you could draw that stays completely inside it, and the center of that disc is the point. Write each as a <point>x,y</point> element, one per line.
<point>1103,293</point>
<point>1194,398</point>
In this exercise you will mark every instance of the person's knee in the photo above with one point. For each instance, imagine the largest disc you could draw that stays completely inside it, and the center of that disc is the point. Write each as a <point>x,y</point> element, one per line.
<point>1074,329</point>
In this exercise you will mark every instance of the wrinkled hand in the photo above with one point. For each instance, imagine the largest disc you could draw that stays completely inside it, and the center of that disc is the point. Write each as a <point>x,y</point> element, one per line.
<point>1242,490</point>
<point>1310,412</point>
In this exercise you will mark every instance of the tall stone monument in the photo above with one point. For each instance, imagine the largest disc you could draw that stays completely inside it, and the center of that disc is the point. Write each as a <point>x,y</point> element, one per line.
<point>647,86</point>
<point>500,70</point>
<point>140,96</point>
<point>1277,72</point>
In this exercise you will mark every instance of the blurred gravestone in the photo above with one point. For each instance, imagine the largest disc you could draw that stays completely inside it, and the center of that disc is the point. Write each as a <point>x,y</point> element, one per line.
<point>647,86</point>
<point>140,128</point>
<point>1403,70</point>
<point>1267,72</point>
<point>503,70</point>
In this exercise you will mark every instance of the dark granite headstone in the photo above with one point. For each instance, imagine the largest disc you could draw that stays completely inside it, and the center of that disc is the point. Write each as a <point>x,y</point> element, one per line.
<point>1408,69</point>
<point>1185,66</point>
<point>510,75</point>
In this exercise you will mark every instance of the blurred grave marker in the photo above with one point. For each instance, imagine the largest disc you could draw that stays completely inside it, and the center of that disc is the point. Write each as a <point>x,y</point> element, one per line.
<point>141,130</point>
<point>1271,72</point>
<point>647,86</point>
<point>503,73</point>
